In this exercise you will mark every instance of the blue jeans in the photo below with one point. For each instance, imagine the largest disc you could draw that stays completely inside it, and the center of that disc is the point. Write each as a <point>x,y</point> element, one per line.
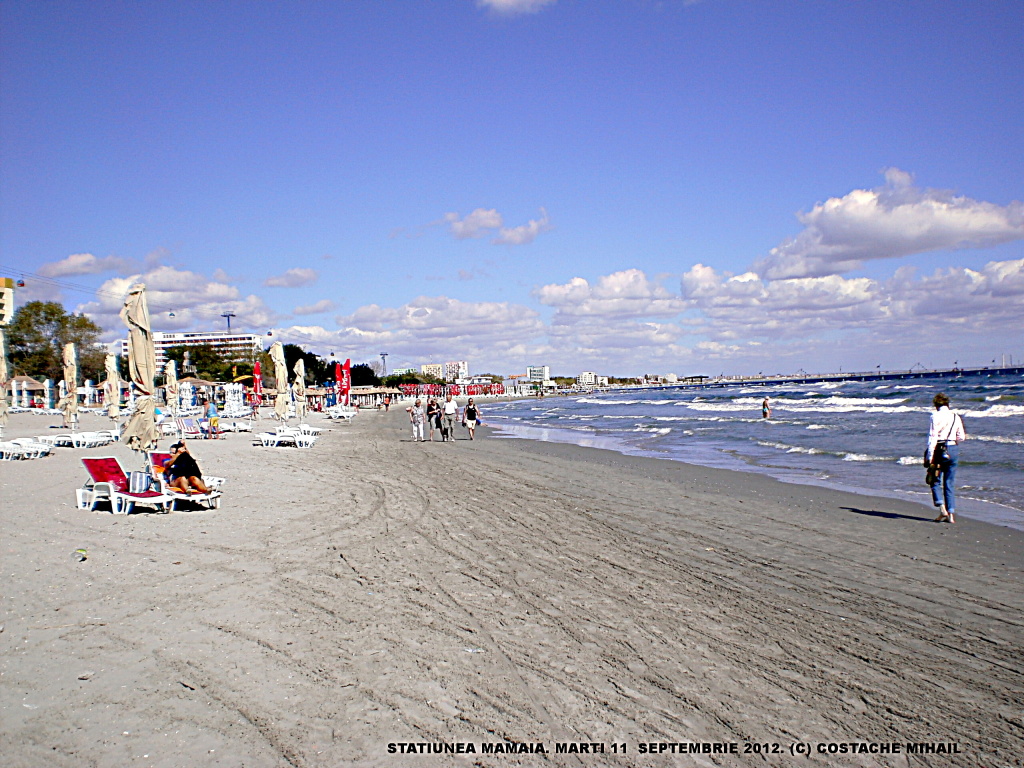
<point>942,491</point>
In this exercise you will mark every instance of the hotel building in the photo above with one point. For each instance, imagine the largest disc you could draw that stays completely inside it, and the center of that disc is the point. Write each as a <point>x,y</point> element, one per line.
<point>233,347</point>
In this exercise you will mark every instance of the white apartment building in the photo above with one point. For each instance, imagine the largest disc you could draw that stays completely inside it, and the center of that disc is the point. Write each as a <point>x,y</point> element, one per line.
<point>402,371</point>
<point>451,371</point>
<point>433,369</point>
<point>454,371</point>
<point>587,379</point>
<point>6,300</point>
<point>538,373</point>
<point>239,347</point>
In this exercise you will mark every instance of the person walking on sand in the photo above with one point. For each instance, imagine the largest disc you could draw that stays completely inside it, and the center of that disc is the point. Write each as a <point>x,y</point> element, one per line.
<point>449,411</point>
<point>213,419</point>
<point>943,454</point>
<point>433,416</point>
<point>470,417</point>
<point>766,409</point>
<point>416,416</point>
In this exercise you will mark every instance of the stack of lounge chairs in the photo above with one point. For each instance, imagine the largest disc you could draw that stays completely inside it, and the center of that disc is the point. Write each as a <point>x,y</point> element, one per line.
<point>23,448</point>
<point>43,445</point>
<point>341,412</point>
<point>302,436</point>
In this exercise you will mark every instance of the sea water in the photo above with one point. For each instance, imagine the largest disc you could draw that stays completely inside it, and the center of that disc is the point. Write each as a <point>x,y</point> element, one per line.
<point>861,436</point>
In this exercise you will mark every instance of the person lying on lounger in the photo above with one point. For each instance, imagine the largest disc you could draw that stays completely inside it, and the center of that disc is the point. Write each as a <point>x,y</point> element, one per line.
<point>182,471</point>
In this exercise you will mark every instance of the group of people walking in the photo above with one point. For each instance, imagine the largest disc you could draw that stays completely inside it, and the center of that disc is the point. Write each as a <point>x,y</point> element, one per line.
<point>442,417</point>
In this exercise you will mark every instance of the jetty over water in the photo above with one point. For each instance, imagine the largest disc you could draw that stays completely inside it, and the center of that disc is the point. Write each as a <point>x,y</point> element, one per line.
<point>820,378</point>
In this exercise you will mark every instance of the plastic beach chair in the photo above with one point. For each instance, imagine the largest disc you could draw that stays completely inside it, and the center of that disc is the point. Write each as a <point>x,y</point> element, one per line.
<point>345,412</point>
<point>32,448</point>
<point>211,500</point>
<point>189,428</point>
<point>108,482</point>
<point>12,452</point>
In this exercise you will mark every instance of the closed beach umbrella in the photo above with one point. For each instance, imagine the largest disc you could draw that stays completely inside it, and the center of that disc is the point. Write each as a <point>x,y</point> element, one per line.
<point>69,402</point>
<point>140,432</point>
<point>5,374</point>
<point>112,388</point>
<point>300,389</point>
<point>171,376</point>
<point>281,373</point>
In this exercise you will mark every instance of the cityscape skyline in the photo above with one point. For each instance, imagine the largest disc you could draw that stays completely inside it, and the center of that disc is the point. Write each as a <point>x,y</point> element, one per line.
<point>687,187</point>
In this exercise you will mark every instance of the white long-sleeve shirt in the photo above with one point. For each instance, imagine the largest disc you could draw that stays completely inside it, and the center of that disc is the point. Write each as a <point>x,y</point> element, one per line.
<point>946,425</point>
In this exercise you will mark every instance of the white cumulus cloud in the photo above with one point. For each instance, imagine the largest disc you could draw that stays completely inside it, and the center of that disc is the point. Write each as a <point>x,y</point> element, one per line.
<point>512,7</point>
<point>474,224</point>
<point>195,300</point>
<point>426,328</point>
<point>484,221</point>
<point>629,293</point>
<point>85,264</point>
<point>524,233</point>
<point>896,219</point>
<point>319,307</point>
<point>293,278</point>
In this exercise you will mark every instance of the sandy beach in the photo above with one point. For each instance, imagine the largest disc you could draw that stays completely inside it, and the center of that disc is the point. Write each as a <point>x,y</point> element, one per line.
<point>372,591</point>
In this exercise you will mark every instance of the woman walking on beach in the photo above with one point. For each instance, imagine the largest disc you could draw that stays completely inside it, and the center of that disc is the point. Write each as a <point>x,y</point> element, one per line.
<point>943,454</point>
<point>470,417</point>
<point>416,416</point>
<point>433,416</point>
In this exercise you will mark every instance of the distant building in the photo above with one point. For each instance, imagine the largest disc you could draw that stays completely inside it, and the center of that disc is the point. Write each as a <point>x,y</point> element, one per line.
<point>538,373</point>
<point>233,347</point>
<point>456,370</point>
<point>433,369</point>
<point>587,379</point>
<point>402,371</point>
<point>6,300</point>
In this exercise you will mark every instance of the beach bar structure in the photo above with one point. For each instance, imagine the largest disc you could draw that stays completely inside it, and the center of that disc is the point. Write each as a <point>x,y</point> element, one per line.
<point>372,396</point>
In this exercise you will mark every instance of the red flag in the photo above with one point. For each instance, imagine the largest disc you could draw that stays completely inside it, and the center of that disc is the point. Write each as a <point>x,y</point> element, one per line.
<point>346,380</point>
<point>257,383</point>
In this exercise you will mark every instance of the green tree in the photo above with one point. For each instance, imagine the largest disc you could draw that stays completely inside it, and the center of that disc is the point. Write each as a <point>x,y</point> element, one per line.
<point>37,334</point>
<point>316,367</point>
<point>363,376</point>
<point>397,379</point>
<point>208,363</point>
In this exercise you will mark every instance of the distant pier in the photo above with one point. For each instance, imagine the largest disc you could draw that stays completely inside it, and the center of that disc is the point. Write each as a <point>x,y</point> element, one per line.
<point>821,378</point>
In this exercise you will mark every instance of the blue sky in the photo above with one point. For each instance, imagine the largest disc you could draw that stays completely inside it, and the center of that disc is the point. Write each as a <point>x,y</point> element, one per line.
<point>627,187</point>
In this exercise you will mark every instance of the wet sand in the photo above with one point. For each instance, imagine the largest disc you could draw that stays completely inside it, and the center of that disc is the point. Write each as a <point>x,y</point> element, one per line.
<point>374,591</point>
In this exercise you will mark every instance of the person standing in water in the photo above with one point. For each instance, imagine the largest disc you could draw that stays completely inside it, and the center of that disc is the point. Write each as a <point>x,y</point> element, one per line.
<point>943,454</point>
<point>766,409</point>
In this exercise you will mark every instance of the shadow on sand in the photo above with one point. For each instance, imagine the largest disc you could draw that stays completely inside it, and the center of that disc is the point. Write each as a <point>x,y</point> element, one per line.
<point>887,515</point>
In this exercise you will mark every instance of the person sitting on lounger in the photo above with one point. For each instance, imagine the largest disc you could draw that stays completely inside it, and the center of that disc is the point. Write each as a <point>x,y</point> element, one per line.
<point>182,471</point>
